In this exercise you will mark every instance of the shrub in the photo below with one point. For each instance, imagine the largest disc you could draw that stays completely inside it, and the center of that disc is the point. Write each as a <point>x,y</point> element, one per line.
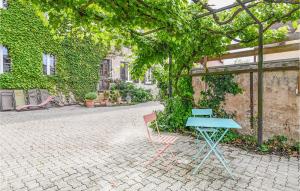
<point>138,95</point>
<point>114,95</point>
<point>90,96</point>
<point>296,147</point>
<point>264,148</point>
<point>174,117</point>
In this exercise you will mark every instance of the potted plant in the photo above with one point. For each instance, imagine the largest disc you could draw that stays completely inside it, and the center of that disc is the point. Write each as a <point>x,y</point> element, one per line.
<point>128,98</point>
<point>112,96</point>
<point>89,99</point>
<point>106,97</point>
<point>118,96</point>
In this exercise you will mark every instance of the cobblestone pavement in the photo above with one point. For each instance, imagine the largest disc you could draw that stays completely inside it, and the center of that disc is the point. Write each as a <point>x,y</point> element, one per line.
<point>74,148</point>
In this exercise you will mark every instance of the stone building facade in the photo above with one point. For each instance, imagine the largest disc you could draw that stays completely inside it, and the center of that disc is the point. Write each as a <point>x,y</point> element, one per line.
<point>116,66</point>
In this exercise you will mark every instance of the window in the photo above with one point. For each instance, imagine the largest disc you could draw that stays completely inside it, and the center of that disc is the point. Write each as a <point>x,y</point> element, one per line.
<point>46,15</point>
<point>124,72</point>
<point>3,4</point>
<point>148,77</point>
<point>5,61</point>
<point>49,62</point>
<point>52,65</point>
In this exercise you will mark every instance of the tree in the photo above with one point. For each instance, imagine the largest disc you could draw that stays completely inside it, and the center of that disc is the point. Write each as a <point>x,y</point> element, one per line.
<point>168,25</point>
<point>160,29</point>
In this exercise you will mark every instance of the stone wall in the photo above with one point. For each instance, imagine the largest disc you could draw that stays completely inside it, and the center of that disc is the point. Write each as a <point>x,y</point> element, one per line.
<point>281,103</point>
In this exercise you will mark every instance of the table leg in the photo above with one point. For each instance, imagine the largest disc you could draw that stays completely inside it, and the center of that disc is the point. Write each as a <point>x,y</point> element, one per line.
<point>216,149</point>
<point>211,150</point>
<point>219,155</point>
<point>203,146</point>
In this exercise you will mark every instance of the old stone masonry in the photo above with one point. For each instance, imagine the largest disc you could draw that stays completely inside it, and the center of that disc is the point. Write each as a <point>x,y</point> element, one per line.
<point>103,149</point>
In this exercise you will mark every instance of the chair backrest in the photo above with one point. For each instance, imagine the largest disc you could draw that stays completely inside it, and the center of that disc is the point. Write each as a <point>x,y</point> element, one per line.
<point>202,112</point>
<point>148,119</point>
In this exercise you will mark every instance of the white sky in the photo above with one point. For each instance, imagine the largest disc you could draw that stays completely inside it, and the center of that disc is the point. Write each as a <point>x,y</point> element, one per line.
<point>220,3</point>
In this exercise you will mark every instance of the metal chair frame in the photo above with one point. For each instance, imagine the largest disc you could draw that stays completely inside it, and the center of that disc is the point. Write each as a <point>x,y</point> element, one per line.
<point>165,140</point>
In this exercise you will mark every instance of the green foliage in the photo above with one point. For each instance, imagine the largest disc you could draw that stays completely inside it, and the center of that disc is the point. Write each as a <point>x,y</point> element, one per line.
<point>138,95</point>
<point>171,20</point>
<point>296,147</point>
<point>173,118</point>
<point>218,87</point>
<point>82,65</point>
<point>114,95</point>
<point>277,144</point>
<point>90,96</point>
<point>24,33</point>
<point>161,76</point>
<point>264,148</point>
<point>26,38</point>
<point>172,29</point>
<point>230,136</point>
<point>179,107</point>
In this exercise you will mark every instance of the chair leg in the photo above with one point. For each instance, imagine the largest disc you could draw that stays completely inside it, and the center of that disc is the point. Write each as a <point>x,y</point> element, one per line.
<point>172,160</point>
<point>159,152</point>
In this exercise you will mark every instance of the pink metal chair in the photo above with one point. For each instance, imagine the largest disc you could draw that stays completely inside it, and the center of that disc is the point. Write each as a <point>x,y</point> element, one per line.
<point>165,140</point>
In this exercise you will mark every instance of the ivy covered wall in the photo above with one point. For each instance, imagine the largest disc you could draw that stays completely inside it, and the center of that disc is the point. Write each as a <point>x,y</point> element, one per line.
<point>25,35</point>
<point>81,66</point>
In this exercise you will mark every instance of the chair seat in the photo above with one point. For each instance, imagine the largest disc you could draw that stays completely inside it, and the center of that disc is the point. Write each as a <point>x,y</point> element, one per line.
<point>166,139</point>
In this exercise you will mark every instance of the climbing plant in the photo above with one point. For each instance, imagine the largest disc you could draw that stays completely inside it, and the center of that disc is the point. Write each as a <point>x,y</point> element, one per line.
<point>26,38</point>
<point>81,67</point>
<point>218,86</point>
<point>24,32</point>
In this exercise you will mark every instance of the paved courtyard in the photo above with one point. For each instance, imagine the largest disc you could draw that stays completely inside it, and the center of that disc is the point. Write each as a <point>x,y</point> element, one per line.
<point>74,148</point>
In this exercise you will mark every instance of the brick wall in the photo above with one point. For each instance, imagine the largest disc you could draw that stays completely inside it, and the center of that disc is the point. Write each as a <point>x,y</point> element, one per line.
<point>281,103</point>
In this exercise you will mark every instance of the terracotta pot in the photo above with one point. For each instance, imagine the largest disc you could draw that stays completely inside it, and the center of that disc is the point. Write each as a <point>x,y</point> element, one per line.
<point>89,103</point>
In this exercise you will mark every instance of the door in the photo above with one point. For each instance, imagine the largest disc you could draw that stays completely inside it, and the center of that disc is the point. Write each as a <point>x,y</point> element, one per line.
<point>105,74</point>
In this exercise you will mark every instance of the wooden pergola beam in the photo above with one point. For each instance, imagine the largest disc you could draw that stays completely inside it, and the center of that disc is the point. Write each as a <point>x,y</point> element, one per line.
<point>274,65</point>
<point>290,37</point>
<point>267,50</point>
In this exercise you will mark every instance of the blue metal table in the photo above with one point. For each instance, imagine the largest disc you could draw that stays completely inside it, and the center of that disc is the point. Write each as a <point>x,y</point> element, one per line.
<point>212,125</point>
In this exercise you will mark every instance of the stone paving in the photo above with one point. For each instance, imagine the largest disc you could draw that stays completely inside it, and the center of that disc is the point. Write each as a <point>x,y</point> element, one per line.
<point>75,148</point>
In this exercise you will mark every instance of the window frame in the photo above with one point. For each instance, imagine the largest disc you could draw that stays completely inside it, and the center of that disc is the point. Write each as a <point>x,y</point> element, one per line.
<point>148,81</point>
<point>3,4</point>
<point>125,65</point>
<point>2,60</point>
<point>49,59</point>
